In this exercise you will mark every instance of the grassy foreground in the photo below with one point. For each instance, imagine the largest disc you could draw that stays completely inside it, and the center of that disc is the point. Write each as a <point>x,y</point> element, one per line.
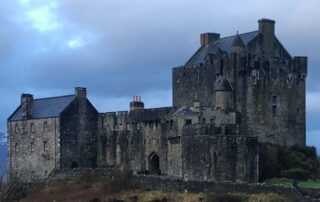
<point>99,190</point>
<point>288,182</point>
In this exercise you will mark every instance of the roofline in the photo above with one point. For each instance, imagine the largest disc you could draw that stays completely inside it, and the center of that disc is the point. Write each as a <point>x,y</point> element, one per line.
<point>239,34</point>
<point>8,119</point>
<point>35,118</point>
<point>45,98</point>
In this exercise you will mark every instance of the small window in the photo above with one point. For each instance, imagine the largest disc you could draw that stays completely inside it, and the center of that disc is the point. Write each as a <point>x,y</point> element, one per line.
<point>32,146</point>
<point>16,128</point>
<point>274,99</point>
<point>298,110</point>
<point>274,110</point>
<point>171,124</point>
<point>203,121</point>
<point>188,121</point>
<point>157,141</point>
<point>45,145</point>
<point>211,120</point>
<point>32,127</point>
<point>16,147</point>
<point>45,174</point>
<point>45,126</point>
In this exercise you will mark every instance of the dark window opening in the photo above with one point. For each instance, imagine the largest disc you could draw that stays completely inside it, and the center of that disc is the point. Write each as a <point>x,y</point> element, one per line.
<point>298,109</point>
<point>274,99</point>
<point>274,110</point>
<point>74,165</point>
<point>211,120</point>
<point>171,124</point>
<point>16,128</point>
<point>188,121</point>
<point>32,127</point>
<point>45,126</point>
<point>45,145</point>
<point>16,147</point>
<point>203,121</point>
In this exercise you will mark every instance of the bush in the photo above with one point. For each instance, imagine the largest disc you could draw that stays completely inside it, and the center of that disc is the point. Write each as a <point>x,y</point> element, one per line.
<point>295,173</point>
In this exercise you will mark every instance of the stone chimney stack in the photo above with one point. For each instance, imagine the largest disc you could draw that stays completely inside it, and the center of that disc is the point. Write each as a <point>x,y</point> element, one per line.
<point>266,28</point>
<point>136,103</point>
<point>81,92</point>
<point>26,102</point>
<point>207,38</point>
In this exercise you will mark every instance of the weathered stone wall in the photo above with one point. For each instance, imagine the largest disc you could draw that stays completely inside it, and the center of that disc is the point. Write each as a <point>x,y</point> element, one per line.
<point>33,148</point>
<point>79,135</point>
<point>219,157</point>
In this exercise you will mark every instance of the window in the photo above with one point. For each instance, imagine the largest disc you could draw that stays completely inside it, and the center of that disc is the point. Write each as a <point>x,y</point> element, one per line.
<point>171,124</point>
<point>274,99</point>
<point>16,128</point>
<point>203,121</point>
<point>211,120</point>
<point>32,127</point>
<point>188,121</point>
<point>45,126</point>
<point>274,110</point>
<point>16,147</point>
<point>32,146</point>
<point>45,145</point>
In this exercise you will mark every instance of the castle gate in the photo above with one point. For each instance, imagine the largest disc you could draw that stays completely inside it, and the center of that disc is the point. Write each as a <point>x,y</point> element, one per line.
<point>154,164</point>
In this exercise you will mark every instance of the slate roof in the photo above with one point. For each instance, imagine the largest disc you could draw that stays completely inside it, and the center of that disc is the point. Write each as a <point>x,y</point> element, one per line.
<point>223,44</point>
<point>184,111</point>
<point>45,107</point>
<point>223,85</point>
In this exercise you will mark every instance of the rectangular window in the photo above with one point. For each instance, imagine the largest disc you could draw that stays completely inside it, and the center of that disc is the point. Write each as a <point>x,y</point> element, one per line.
<point>16,147</point>
<point>274,110</point>
<point>211,120</point>
<point>45,145</point>
<point>203,121</point>
<point>45,126</point>
<point>188,121</point>
<point>32,127</point>
<point>16,128</point>
<point>32,146</point>
<point>274,99</point>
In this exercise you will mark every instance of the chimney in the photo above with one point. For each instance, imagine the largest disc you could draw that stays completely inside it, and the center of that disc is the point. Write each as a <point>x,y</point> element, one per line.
<point>81,92</point>
<point>266,28</point>
<point>136,103</point>
<point>207,38</point>
<point>26,102</point>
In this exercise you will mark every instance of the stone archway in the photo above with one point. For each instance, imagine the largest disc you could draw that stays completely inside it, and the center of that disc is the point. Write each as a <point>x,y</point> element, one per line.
<point>154,164</point>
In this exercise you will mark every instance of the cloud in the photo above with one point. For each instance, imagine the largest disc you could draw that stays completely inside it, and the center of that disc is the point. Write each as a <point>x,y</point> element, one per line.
<point>122,48</point>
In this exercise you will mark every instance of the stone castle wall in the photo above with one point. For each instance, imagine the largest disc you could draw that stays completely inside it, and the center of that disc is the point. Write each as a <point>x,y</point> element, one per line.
<point>33,148</point>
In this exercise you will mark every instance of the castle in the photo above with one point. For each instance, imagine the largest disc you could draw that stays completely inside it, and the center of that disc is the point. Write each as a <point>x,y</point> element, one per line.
<point>233,93</point>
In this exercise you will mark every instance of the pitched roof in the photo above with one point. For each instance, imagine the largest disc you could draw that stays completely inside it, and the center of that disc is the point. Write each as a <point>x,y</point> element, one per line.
<point>223,85</point>
<point>184,111</point>
<point>44,107</point>
<point>223,44</point>
<point>237,41</point>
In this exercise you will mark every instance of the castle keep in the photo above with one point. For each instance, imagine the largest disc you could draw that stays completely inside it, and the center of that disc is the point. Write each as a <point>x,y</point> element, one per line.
<point>231,94</point>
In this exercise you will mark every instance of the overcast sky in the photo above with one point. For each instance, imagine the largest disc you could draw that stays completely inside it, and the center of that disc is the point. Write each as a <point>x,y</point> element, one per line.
<point>120,48</point>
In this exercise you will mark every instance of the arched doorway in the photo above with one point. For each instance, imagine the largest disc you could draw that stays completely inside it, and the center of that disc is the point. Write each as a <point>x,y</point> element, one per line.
<point>154,164</point>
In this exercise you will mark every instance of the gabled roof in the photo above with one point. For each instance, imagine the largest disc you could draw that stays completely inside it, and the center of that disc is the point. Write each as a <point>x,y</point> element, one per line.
<point>44,107</point>
<point>184,111</point>
<point>224,44</point>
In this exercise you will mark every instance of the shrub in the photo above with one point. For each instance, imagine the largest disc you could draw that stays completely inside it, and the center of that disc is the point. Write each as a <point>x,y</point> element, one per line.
<point>295,173</point>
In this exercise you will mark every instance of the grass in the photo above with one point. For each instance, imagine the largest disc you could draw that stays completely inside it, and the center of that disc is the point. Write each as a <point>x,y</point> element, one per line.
<point>99,190</point>
<point>288,182</point>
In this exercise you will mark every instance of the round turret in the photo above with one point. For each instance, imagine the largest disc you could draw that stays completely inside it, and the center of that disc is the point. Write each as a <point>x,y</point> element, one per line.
<point>223,94</point>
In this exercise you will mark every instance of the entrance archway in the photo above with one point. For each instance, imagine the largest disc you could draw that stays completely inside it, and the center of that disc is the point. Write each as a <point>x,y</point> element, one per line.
<point>154,164</point>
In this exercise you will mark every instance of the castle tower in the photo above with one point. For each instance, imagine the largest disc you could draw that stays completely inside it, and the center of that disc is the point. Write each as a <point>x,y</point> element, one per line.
<point>223,94</point>
<point>136,103</point>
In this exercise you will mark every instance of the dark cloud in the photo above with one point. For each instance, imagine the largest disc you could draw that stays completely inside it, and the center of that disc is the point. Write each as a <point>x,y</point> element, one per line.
<point>120,48</point>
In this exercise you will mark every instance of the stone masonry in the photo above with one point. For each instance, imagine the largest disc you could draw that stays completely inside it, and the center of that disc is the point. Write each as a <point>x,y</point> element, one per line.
<point>231,94</point>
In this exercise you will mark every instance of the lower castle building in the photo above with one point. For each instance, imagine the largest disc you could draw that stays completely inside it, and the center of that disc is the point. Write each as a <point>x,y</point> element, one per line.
<point>233,93</point>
